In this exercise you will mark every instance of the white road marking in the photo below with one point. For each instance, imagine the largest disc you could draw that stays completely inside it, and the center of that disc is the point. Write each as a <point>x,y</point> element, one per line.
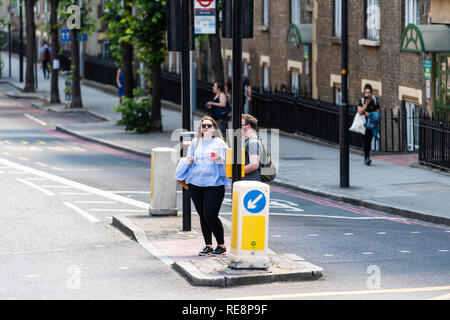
<point>381,232</point>
<point>118,210</point>
<point>76,185</point>
<point>75,193</point>
<point>415,231</point>
<point>349,234</point>
<point>443,250</point>
<point>82,212</point>
<point>56,187</point>
<point>30,184</point>
<point>127,192</point>
<point>367,253</point>
<point>42,123</point>
<point>313,235</point>
<point>95,202</point>
<point>341,293</point>
<point>405,251</point>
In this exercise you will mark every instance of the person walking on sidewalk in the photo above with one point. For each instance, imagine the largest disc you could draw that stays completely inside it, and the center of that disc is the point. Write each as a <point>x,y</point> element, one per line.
<point>120,80</point>
<point>368,106</point>
<point>206,182</point>
<point>220,107</point>
<point>252,148</point>
<point>45,58</point>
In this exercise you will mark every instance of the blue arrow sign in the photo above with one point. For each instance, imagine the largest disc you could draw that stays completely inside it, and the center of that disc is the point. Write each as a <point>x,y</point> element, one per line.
<point>254,201</point>
<point>65,35</point>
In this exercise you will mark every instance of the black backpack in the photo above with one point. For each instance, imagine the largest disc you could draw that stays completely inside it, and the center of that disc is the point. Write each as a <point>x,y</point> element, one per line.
<point>268,170</point>
<point>47,54</point>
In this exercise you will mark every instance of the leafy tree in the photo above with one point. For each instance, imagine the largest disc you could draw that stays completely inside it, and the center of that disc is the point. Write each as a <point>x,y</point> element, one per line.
<point>144,28</point>
<point>121,44</point>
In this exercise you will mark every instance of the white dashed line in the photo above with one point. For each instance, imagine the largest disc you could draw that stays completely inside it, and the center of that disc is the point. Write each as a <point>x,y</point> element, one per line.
<point>381,232</point>
<point>81,212</point>
<point>443,250</point>
<point>405,251</point>
<point>30,184</point>
<point>349,234</point>
<point>367,253</point>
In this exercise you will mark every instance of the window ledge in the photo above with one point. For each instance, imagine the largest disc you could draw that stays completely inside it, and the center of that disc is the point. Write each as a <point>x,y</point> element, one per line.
<point>335,40</point>
<point>264,27</point>
<point>369,43</point>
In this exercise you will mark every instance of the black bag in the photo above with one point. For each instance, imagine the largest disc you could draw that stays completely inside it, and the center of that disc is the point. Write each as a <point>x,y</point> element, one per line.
<point>222,113</point>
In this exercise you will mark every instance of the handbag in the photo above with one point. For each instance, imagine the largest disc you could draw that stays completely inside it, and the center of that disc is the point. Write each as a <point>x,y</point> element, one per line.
<point>182,172</point>
<point>359,124</point>
<point>222,112</point>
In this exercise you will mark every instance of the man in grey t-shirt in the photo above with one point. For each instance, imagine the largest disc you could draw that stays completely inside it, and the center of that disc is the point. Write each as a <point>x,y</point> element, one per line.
<point>252,148</point>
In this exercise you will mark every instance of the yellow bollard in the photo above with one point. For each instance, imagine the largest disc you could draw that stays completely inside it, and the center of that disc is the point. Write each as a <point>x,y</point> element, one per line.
<point>250,225</point>
<point>229,163</point>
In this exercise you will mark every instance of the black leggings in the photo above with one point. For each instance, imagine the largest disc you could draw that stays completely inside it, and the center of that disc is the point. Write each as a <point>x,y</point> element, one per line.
<point>207,201</point>
<point>367,143</point>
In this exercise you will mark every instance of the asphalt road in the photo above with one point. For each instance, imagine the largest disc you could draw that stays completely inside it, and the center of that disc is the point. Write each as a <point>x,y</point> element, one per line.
<point>50,250</point>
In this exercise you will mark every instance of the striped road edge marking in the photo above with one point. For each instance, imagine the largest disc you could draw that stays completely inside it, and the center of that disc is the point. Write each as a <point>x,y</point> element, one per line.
<point>76,185</point>
<point>42,123</point>
<point>344,293</point>
<point>30,184</point>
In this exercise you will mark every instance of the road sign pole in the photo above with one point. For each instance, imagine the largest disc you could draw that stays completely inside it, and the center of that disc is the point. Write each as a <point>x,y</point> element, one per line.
<point>186,45</point>
<point>343,112</point>
<point>237,87</point>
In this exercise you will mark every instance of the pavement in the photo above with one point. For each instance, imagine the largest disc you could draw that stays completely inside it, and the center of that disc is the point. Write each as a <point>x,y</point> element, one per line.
<point>394,184</point>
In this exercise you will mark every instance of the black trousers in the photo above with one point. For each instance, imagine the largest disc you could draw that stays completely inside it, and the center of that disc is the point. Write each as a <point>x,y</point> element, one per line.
<point>45,68</point>
<point>207,202</point>
<point>367,143</point>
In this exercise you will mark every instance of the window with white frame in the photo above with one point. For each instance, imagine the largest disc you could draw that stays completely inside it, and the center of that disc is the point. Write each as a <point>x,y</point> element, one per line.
<point>106,51</point>
<point>295,80</point>
<point>412,126</point>
<point>373,18</point>
<point>337,18</point>
<point>266,11</point>
<point>104,3</point>
<point>296,12</point>
<point>229,67</point>
<point>412,12</point>
<point>265,78</point>
<point>337,96</point>
<point>245,68</point>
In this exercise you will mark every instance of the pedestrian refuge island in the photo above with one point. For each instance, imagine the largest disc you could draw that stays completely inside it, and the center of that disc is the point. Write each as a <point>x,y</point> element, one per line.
<point>250,225</point>
<point>163,193</point>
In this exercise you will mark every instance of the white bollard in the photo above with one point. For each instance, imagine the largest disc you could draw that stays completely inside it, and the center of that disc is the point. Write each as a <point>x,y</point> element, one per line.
<point>163,194</point>
<point>250,225</point>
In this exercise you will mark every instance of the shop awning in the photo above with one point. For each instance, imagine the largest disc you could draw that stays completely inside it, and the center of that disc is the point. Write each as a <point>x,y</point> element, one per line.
<point>426,38</point>
<point>300,34</point>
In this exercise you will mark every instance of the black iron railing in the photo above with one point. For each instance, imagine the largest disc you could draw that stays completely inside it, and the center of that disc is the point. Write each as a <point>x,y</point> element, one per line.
<point>434,141</point>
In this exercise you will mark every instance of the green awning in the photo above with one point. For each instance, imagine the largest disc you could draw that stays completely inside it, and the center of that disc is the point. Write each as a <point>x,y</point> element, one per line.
<point>299,34</point>
<point>426,38</point>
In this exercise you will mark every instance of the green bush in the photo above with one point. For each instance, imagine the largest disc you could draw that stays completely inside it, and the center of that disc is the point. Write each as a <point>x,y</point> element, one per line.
<point>136,113</point>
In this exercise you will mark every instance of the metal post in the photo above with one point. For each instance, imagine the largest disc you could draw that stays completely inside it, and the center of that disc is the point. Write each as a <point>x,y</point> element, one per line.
<point>343,113</point>
<point>186,36</point>
<point>20,43</point>
<point>9,44</point>
<point>237,90</point>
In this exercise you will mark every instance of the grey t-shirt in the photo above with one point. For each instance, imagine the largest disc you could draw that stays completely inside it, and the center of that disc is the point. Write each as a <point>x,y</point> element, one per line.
<point>252,147</point>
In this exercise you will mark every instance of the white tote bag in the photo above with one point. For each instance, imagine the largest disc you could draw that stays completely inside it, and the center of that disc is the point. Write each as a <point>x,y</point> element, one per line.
<point>359,124</point>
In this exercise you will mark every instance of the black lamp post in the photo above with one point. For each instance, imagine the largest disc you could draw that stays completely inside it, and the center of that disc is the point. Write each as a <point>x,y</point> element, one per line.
<point>343,112</point>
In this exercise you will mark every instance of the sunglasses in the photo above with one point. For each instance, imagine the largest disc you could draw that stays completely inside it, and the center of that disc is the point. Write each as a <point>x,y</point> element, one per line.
<point>207,125</point>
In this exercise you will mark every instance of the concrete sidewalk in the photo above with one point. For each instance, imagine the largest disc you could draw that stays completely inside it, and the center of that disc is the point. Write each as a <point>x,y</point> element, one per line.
<point>393,183</point>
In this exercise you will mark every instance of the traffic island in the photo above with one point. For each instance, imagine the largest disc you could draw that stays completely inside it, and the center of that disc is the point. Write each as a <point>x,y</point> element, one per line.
<point>216,272</point>
<point>162,237</point>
